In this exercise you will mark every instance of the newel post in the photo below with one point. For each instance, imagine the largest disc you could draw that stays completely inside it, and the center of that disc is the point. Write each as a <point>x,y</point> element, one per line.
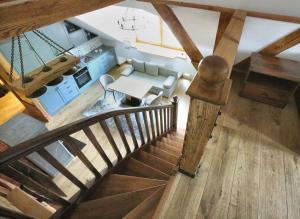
<point>208,91</point>
<point>175,112</point>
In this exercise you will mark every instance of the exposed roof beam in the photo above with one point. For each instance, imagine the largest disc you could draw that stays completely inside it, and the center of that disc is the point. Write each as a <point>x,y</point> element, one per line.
<point>20,16</point>
<point>228,45</point>
<point>276,47</point>
<point>270,16</point>
<point>180,33</point>
<point>224,20</point>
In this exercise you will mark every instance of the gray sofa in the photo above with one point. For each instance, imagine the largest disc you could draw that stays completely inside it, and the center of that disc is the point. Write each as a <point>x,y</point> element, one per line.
<point>160,78</point>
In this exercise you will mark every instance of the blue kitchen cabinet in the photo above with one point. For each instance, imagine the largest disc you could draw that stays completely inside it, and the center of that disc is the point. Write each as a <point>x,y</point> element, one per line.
<point>102,64</point>
<point>68,89</point>
<point>52,100</point>
<point>96,67</point>
<point>58,96</point>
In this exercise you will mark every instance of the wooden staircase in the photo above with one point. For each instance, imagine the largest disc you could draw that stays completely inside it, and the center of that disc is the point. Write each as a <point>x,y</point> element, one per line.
<point>134,190</point>
<point>131,186</point>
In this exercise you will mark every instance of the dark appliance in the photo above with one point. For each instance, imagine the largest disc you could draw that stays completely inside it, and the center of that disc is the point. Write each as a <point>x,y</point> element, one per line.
<point>82,77</point>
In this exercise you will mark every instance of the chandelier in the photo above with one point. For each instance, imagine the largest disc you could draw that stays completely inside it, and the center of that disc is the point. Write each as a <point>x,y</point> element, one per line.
<point>131,20</point>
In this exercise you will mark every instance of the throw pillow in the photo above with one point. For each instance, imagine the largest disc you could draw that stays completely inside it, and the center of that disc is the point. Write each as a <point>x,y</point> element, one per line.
<point>127,71</point>
<point>169,82</point>
<point>138,65</point>
<point>151,69</point>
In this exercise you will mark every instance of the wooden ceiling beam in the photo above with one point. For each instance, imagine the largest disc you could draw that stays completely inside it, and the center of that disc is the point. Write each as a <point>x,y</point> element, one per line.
<point>20,16</point>
<point>180,33</point>
<point>224,20</point>
<point>228,45</point>
<point>270,16</point>
<point>276,47</point>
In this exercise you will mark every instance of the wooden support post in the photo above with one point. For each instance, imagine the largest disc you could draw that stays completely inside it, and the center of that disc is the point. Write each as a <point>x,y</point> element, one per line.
<point>174,113</point>
<point>208,91</point>
<point>167,14</point>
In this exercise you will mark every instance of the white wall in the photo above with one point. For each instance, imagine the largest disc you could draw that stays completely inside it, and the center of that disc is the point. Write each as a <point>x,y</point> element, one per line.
<point>202,25</point>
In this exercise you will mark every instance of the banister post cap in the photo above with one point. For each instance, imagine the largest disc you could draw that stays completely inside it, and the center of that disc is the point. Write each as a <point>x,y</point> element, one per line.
<point>213,71</point>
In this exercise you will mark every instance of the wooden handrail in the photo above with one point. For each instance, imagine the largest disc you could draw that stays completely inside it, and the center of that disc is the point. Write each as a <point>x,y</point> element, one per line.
<point>45,139</point>
<point>37,144</point>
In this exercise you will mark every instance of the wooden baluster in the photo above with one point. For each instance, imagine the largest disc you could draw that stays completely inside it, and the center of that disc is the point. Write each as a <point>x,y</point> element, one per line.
<point>25,180</point>
<point>161,121</point>
<point>138,121</point>
<point>174,112</point>
<point>168,118</point>
<point>10,213</point>
<point>121,132</point>
<point>37,176</point>
<point>111,139</point>
<point>97,145</point>
<point>57,165</point>
<point>146,125</point>
<point>130,126</point>
<point>69,143</point>
<point>157,123</point>
<point>165,120</point>
<point>152,124</point>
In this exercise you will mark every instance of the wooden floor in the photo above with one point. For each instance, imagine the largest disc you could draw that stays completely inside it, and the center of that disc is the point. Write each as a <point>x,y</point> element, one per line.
<point>250,169</point>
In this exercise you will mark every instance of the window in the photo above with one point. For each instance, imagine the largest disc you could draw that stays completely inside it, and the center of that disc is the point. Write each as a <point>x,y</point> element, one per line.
<point>157,33</point>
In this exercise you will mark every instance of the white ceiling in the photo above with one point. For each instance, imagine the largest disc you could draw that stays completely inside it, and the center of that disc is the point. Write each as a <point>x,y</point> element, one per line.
<point>284,7</point>
<point>202,25</point>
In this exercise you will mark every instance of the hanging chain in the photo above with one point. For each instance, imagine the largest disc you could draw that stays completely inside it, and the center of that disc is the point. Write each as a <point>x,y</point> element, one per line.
<point>12,56</point>
<point>50,41</point>
<point>21,60</point>
<point>32,48</point>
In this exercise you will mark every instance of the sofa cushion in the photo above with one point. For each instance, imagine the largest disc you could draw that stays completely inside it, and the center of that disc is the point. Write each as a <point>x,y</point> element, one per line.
<point>138,65</point>
<point>155,81</point>
<point>126,72</point>
<point>168,83</point>
<point>151,69</point>
<point>166,72</point>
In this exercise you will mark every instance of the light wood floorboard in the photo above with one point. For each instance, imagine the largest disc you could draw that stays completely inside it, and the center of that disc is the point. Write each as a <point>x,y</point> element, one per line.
<point>250,168</point>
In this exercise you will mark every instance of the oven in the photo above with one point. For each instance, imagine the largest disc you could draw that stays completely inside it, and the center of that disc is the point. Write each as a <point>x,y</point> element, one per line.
<point>82,77</point>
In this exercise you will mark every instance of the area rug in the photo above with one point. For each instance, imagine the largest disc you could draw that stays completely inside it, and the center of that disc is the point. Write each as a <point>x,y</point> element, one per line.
<point>107,104</point>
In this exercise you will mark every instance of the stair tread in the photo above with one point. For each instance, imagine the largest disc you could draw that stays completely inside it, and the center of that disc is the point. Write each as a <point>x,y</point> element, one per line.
<point>169,148</point>
<point>138,168</point>
<point>116,184</point>
<point>172,142</point>
<point>155,162</point>
<point>175,137</point>
<point>163,154</point>
<point>115,206</point>
<point>146,208</point>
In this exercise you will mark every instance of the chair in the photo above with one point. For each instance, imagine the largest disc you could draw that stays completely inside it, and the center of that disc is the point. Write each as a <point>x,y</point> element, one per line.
<point>153,99</point>
<point>106,80</point>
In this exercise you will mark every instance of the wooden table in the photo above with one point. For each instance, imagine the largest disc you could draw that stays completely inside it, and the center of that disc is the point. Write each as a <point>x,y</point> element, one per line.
<point>134,90</point>
<point>271,80</point>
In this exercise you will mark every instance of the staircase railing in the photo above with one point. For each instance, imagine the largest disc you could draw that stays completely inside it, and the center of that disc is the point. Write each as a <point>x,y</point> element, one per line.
<point>155,121</point>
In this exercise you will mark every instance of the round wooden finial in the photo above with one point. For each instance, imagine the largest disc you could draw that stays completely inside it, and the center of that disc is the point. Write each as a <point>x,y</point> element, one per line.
<point>213,70</point>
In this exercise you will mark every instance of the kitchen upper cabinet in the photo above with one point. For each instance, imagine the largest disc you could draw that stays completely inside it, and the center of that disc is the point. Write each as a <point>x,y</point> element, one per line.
<point>51,100</point>
<point>78,37</point>
<point>58,33</point>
